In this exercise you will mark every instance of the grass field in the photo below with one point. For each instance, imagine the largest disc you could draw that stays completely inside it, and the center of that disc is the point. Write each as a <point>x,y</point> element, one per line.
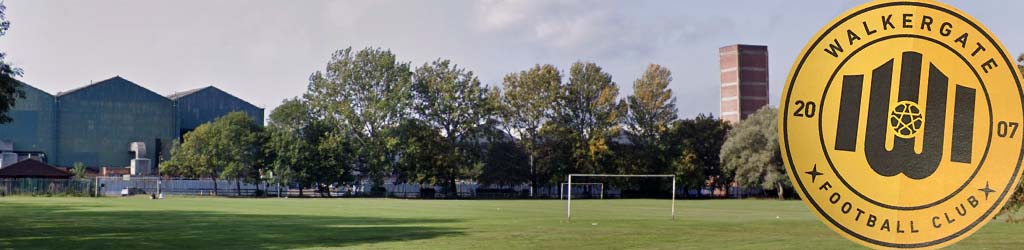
<point>223,223</point>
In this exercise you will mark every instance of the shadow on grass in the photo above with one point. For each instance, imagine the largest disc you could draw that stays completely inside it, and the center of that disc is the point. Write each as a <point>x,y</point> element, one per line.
<point>25,226</point>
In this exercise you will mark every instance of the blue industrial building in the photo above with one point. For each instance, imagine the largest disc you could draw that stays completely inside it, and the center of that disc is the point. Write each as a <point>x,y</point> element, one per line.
<point>97,123</point>
<point>110,123</point>
<point>202,105</point>
<point>34,126</point>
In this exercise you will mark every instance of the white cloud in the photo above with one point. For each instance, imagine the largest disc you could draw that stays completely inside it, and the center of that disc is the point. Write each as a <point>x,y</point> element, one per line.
<point>559,23</point>
<point>591,28</point>
<point>501,14</point>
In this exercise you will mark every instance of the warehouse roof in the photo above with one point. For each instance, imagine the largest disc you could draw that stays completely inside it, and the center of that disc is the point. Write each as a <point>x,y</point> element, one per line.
<point>187,93</point>
<point>85,87</point>
<point>112,80</point>
<point>177,95</point>
<point>30,87</point>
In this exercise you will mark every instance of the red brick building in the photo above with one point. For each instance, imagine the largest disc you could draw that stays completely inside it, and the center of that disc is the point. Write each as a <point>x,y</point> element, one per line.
<point>744,74</point>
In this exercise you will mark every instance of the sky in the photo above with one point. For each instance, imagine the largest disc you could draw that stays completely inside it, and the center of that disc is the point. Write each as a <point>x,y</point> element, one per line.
<point>264,51</point>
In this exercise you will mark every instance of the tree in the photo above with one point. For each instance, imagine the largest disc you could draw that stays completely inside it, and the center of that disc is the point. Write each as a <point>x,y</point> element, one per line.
<point>332,158</point>
<point>9,92</point>
<point>507,164</point>
<point>688,170</point>
<point>588,106</point>
<point>555,153</point>
<point>286,149</point>
<point>194,156</point>
<point>651,110</point>
<point>240,141</point>
<point>526,101</point>
<point>697,144</point>
<point>293,147</point>
<point>651,107</point>
<point>360,96</point>
<point>288,157</point>
<point>79,170</point>
<point>425,153</point>
<point>450,99</point>
<point>752,154</point>
<point>229,147</point>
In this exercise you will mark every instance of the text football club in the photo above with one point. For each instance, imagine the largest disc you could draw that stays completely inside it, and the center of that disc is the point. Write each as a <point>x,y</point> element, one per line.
<point>899,125</point>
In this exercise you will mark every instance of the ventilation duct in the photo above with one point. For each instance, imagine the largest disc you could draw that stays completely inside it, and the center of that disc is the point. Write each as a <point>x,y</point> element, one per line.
<point>140,165</point>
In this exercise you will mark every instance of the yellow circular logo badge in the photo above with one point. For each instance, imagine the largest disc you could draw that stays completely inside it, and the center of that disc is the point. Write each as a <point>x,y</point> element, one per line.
<point>900,125</point>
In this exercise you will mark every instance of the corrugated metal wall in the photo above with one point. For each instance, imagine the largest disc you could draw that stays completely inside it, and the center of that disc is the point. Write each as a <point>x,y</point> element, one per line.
<point>33,129</point>
<point>208,104</point>
<point>98,122</point>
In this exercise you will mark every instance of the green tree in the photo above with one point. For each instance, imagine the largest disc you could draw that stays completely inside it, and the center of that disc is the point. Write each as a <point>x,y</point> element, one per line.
<point>588,106</point>
<point>451,99</point>
<point>526,101</point>
<point>361,95</point>
<point>240,142</point>
<point>287,157</point>
<point>700,142</point>
<point>194,156</point>
<point>227,148</point>
<point>9,92</point>
<point>287,151</point>
<point>332,160</point>
<point>306,149</point>
<point>752,155</point>
<point>652,110</point>
<point>506,164</point>
<point>79,170</point>
<point>555,153</point>
<point>293,147</point>
<point>688,171</point>
<point>651,107</point>
<point>425,153</point>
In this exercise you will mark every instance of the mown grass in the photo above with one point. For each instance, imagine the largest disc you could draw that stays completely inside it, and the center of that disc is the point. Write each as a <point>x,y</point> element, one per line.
<point>223,223</point>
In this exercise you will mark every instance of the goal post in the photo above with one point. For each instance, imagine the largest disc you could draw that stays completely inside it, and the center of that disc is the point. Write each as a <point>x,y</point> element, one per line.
<point>129,185</point>
<point>567,189</point>
<point>568,204</point>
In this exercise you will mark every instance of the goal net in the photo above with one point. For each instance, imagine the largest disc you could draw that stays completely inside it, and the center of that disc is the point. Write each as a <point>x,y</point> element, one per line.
<point>570,183</point>
<point>127,185</point>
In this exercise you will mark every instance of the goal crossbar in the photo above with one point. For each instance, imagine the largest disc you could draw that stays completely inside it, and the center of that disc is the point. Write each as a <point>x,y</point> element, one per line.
<point>568,204</point>
<point>568,191</point>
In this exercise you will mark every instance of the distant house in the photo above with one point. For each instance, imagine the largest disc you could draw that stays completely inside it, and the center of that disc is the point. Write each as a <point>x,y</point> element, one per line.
<point>32,168</point>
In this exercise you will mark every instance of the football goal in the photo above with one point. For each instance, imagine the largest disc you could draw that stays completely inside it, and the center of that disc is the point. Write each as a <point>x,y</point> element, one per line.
<point>567,190</point>
<point>568,203</point>
<point>127,185</point>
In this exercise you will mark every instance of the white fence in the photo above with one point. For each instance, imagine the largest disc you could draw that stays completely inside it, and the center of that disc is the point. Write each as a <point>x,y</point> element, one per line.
<point>43,186</point>
<point>113,186</point>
